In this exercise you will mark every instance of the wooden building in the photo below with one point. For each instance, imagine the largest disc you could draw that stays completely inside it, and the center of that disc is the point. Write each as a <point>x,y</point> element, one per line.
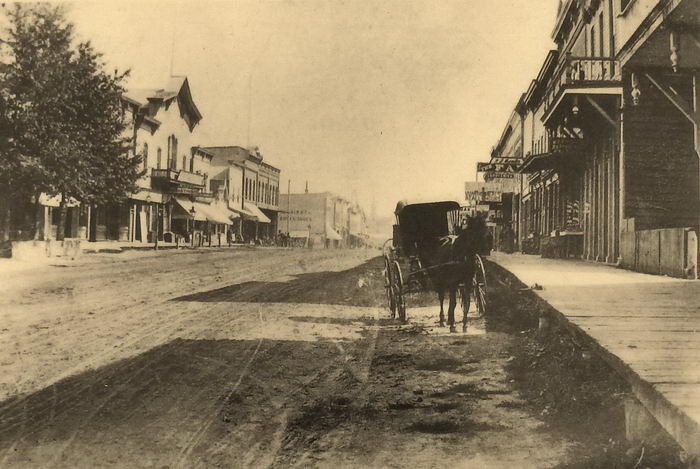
<point>610,166</point>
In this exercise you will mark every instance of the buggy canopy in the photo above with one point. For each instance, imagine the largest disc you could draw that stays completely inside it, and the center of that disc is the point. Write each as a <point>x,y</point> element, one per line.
<point>420,222</point>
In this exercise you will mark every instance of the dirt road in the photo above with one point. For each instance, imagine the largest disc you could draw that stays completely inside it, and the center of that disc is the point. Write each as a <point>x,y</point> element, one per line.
<point>253,358</point>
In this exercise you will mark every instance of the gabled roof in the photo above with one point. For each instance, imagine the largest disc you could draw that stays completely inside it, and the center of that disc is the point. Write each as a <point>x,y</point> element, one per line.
<point>177,87</point>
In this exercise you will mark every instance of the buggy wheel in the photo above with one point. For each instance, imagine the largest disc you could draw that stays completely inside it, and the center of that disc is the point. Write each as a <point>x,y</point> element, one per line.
<point>389,287</point>
<point>479,286</point>
<point>399,296</point>
<point>480,298</point>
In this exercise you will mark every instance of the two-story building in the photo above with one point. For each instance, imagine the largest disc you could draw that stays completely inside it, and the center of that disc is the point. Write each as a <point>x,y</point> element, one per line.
<point>608,135</point>
<point>317,214</point>
<point>252,186</point>
<point>174,197</point>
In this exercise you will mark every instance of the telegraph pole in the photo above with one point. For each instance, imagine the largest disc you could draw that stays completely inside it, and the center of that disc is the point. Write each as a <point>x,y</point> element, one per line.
<point>289,201</point>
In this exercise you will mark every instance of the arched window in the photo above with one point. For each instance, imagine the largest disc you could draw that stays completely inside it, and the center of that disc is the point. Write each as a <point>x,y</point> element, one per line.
<point>184,162</point>
<point>160,155</point>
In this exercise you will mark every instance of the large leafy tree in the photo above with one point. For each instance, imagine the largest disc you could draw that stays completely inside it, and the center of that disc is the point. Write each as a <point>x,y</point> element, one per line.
<point>62,119</point>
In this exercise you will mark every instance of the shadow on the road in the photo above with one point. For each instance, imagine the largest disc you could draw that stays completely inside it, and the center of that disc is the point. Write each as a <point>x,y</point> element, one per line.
<point>360,286</point>
<point>147,406</point>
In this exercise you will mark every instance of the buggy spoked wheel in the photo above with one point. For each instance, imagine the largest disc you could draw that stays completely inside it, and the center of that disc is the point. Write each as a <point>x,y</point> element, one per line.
<point>399,296</point>
<point>479,286</point>
<point>389,286</point>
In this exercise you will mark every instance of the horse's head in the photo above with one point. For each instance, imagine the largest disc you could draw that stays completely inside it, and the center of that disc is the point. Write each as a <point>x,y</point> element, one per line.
<point>472,237</point>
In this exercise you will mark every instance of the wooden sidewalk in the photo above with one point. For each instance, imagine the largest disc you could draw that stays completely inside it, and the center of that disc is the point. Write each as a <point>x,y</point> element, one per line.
<point>647,327</point>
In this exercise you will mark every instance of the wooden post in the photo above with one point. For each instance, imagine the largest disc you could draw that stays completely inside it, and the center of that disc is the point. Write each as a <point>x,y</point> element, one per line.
<point>63,212</point>
<point>621,167</point>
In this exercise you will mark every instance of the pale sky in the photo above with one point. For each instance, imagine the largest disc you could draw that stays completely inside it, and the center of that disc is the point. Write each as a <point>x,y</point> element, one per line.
<point>382,99</point>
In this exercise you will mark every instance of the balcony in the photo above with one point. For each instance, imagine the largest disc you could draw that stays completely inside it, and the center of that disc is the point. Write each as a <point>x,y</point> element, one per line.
<point>582,75</point>
<point>178,176</point>
<point>553,153</point>
<point>191,191</point>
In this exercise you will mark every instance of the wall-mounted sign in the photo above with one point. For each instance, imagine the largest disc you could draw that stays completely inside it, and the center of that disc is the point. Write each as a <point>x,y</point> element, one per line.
<point>484,196</point>
<point>494,175</point>
<point>499,165</point>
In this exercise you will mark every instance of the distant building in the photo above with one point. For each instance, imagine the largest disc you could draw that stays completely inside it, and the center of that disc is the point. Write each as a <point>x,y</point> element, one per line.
<point>329,220</point>
<point>495,200</point>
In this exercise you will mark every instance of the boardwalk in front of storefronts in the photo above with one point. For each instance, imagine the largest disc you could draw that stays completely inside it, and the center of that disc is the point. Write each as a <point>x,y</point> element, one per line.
<point>647,327</point>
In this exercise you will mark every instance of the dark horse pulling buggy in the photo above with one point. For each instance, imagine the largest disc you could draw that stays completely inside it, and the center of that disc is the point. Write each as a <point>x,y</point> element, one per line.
<point>431,247</point>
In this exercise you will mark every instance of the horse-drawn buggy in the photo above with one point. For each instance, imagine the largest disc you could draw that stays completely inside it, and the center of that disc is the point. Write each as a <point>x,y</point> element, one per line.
<point>436,245</point>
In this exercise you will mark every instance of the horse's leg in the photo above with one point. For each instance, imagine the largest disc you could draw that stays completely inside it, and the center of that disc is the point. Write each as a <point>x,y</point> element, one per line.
<point>467,297</point>
<point>441,295</point>
<point>451,308</point>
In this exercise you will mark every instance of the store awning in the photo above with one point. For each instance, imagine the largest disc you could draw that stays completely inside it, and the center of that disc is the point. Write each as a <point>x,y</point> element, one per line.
<point>218,214</point>
<point>146,195</point>
<point>185,208</point>
<point>55,201</point>
<point>244,213</point>
<point>252,208</point>
<point>332,234</point>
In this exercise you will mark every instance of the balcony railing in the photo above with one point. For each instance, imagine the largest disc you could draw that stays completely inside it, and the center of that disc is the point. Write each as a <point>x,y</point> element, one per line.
<point>169,174</point>
<point>179,176</point>
<point>548,144</point>
<point>582,72</point>
<point>194,191</point>
<point>551,152</point>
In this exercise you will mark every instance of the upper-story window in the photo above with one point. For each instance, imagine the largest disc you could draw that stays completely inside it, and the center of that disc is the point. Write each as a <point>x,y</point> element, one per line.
<point>592,49</point>
<point>160,156</point>
<point>601,29</point>
<point>184,162</point>
<point>172,152</point>
<point>624,3</point>
<point>145,155</point>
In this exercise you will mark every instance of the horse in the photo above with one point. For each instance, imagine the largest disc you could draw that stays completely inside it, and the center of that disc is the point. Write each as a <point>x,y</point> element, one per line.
<point>449,261</point>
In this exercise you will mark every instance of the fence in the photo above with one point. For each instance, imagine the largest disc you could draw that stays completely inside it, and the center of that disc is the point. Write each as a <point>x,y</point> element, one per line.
<point>670,251</point>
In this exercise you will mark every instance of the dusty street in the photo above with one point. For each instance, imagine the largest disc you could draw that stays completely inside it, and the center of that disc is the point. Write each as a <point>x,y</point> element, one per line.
<point>249,358</point>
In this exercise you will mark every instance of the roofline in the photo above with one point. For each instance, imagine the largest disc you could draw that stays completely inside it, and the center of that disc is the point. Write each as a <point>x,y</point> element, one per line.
<point>203,151</point>
<point>560,18</point>
<point>186,87</point>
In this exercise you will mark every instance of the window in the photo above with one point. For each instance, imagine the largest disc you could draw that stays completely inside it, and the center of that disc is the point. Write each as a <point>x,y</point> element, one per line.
<point>624,3</point>
<point>172,152</point>
<point>160,154</point>
<point>592,49</point>
<point>184,162</point>
<point>601,30</point>
<point>145,155</point>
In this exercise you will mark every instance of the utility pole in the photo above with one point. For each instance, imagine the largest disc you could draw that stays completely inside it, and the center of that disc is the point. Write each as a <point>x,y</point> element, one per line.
<point>289,201</point>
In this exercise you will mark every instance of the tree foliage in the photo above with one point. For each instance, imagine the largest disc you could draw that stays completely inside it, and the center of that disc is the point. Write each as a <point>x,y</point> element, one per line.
<point>63,125</point>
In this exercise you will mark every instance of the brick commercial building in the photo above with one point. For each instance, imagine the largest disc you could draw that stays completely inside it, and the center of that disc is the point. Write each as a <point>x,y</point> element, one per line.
<point>326,219</point>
